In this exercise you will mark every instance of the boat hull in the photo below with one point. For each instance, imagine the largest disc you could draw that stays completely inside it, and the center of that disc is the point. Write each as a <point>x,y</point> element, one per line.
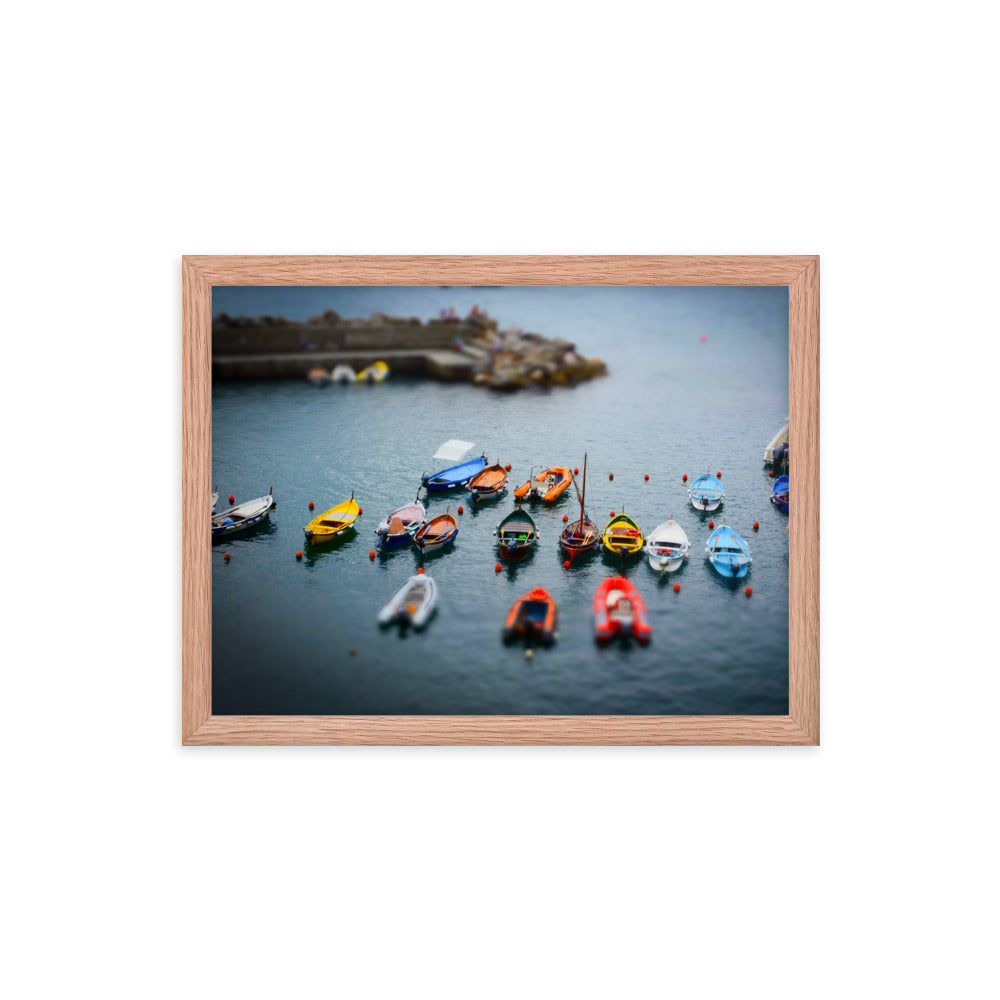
<point>454,478</point>
<point>437,533</point>
<point>622,537</point>
<point>728,553</point>
<point>667,547</point>
<point>241,517</point>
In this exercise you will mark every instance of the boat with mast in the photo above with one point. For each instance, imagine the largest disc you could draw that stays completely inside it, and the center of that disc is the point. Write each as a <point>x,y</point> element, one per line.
<point>583,535</point>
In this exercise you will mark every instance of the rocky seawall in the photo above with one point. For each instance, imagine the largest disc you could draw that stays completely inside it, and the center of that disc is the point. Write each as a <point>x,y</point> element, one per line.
<point>472,348</point>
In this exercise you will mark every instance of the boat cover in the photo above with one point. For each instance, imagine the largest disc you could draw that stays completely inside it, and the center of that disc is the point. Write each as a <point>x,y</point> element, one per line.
<point>453,450</point>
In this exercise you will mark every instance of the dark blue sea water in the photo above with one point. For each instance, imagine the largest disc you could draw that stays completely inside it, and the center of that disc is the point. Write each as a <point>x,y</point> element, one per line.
<point>283,630</point>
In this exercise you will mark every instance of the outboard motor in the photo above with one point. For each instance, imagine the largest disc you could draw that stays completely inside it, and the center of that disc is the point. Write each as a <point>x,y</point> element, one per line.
<point>780,456</point>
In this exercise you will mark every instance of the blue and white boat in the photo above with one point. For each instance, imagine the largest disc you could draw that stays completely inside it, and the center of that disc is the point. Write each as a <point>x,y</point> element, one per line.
<point>728,553</point>
<point>455,476</point>
<point>706,492</point>
<point>398,528</point>
<point>779,492</point>
<point>243,515</point>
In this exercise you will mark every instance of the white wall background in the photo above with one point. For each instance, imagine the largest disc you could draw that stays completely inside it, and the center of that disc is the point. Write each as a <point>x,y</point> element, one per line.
<point>135,868</point>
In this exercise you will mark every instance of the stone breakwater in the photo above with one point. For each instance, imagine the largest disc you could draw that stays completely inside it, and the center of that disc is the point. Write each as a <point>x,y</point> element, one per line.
<point>450,348</point>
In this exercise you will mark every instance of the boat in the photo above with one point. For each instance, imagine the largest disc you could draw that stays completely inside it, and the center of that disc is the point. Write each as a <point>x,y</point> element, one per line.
<point>488,484</point>
<point>397,528</point>
<point>706,492</point>
<point>622,536</point>
<point>243,515</point>
<point>412,604</point>
<point>333,523</point>
<point>779,441</point>
<point>319,376</point>
<point>779,493</point>
<point>436,533</point>
<point>215,497</point>
<point>533,616</point>
<point>549,485</point>
<point>516,534</point>
<point>343,373</point>
<point>378,372</point>
<point>454,477</point>
<point>620,610</point>
<point>728,553</point>
<point>582,535</point>
<point>666,546</point>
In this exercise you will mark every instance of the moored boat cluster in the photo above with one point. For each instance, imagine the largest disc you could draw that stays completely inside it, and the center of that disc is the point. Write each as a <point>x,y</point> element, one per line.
<point>618,607</point>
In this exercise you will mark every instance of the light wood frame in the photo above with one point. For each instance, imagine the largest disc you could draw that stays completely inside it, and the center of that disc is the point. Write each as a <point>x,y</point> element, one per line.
<point>799,727</point>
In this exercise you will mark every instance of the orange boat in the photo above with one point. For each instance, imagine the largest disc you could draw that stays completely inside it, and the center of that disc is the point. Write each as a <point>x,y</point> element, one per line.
<point>533,616</point>
<point>548,485</point>
<point>488,483</point>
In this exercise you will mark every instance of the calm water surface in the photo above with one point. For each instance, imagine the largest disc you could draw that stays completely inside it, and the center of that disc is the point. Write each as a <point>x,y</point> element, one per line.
<point>283,630</point>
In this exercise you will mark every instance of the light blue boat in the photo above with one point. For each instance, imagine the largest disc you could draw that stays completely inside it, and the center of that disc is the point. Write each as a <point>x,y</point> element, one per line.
<point>453,478</point>
<point>728,553</point>
<point>706,492</point>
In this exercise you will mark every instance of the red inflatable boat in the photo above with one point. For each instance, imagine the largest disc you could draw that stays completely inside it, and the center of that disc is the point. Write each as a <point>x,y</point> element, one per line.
<point>620,610</point>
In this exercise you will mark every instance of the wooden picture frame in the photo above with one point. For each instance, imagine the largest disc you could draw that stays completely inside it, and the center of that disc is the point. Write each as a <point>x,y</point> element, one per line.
<point>800,727</point>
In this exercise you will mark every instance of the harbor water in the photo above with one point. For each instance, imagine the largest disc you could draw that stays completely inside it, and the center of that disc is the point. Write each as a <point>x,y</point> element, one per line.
<point>698,380</point>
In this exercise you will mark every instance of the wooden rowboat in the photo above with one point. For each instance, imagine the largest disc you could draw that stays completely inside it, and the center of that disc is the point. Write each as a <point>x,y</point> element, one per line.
<point>488,484</point>
<point>243,515</point>
<point>516,534</point>
<point>622,536</point>
<point>436,533</point>
<point>397,528</point>
<point>333,523</point>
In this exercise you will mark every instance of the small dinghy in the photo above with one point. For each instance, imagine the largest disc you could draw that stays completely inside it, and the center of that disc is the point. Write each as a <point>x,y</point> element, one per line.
<point>728,553</point>
<point>333,523</point>
<point>706,492</point>
<point>488,484</point>
<point>549,485</point>
<point>533,616</point>
<point>454,476</point>
<point>582,535</point>
<point>620,610</point>
<point>344,374</point>
<point>243,515</point>
<point>516,534</point>
<point>377,372</point>
<point>319,376</point>
<point>412,604</point>
<point>436,533</point>
<point>398,528</point>
<point>622,536</point>
<point>666,546</point>
<point>779,493</point>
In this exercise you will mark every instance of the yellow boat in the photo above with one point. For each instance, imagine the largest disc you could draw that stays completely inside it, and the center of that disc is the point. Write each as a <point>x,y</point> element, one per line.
<point>377,372</point>
<point>622,536</point>
<point>334,522</point>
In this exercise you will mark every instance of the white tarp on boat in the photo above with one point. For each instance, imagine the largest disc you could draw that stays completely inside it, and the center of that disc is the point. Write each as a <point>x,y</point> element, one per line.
<point>454,450</point>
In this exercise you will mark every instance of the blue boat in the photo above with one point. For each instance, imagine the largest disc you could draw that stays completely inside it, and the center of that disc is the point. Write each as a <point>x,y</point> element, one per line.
<point>728,553</point>
<point>455,477</point>
<point>779,493</point>
<point>706,492</point>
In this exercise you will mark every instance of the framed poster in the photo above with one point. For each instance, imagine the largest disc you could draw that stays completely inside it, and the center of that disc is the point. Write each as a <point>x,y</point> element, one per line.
<point>638,562</point>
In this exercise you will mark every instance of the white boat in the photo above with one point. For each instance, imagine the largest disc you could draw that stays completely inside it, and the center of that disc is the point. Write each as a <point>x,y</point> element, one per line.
<point>706,492</point>
<point>666,546</point>
<point>413,602</point>
<point>343,373</point>
<point>779,439</point>
<point>243,515</point>
<point>215,498</point>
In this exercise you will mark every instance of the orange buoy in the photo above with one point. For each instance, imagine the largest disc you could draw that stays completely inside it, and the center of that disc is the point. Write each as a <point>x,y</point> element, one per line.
<point>755,526</point>
<point>461,509</point>
<point>576,472</point>
<point>711,524</point>
<point>685,477</point>
<point>565,517</point>
<point>371,555</point>
<point>612,514</point>
<point>360,512</point>
<point>298,555</point>
<point>226,557</point>
<point>677,588</point>
<point>611,475</point>
<point>499,567</point>
<point>704,336</point>
<point>566,564</point>
<point>311,505</point>
<point>647,476</point>
<point>232,499</point>
<point>718,475</point>
<point>508,466</point>
<point>420,570</point>
<point>749,591</point>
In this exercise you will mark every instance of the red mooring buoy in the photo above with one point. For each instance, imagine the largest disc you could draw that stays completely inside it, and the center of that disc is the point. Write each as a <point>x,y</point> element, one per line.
<point>718,475</point>
<point>298,555</point>
<point>770,472</point>
<point>420,570</point>
<point>685,477</point>
<point>612,514</point>
<point>647,476</point>
<point>566,564</point>
<point>311,505</point>
<point>360,512</point>
<point>226,557</point>
<point>371,554</point>
<point>677,588</point>
<point>611,475</point>
<point>749,591</point>
<point>704,336</point>
<point>498,567</point>
<point>565,517</point>
<point>508,466</point>
<point>711,524</point>
<point>576,472</point>
<point>461,509</point>
<point>232,499</point>
<point>755,526</point>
